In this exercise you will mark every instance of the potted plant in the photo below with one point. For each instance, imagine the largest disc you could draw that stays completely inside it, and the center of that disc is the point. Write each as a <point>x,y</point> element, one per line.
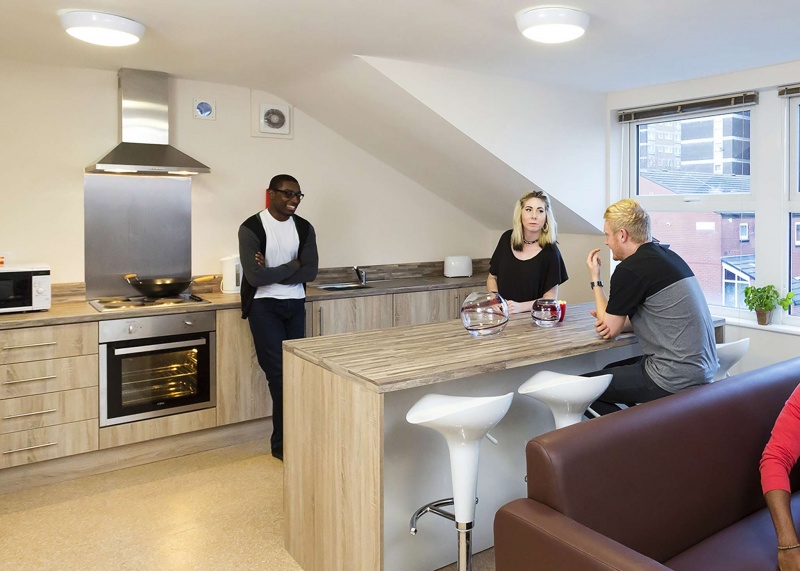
<point>763,300</point>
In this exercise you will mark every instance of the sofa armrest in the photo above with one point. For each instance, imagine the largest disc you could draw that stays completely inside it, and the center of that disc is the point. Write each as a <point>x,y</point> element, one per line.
<point>527,533</point>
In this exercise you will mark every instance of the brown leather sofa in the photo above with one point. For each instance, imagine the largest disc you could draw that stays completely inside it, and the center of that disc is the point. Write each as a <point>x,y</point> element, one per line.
<point>672,484</point>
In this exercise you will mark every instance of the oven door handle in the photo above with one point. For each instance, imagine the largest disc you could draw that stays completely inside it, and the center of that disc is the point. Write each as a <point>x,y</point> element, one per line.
<point>159,347</point>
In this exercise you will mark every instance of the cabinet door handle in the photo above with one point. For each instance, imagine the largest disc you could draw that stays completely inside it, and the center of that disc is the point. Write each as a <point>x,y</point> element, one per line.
<point>10,416</point>
<point>320,321</point>
<point>29,448</point>
<point>29,380</point>
<point>29,346</point>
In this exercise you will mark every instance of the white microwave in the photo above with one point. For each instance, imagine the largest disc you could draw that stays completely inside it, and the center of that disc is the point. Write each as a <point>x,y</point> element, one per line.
<point>24,288</point>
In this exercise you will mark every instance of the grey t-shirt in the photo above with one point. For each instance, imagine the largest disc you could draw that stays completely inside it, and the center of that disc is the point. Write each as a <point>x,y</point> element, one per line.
<point>657,290</point>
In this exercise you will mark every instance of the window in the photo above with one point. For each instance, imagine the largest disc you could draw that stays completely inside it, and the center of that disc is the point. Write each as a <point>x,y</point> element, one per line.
<point>733,284</point>
<point>706,201</point>
<point>701,204</point>
<point>791,281</point>
<point>709,243</point>
<point>744,232</point>
<point>794,263</point>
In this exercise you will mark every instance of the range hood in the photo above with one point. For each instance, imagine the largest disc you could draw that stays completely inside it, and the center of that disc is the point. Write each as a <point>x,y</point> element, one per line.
<point>144,130</point>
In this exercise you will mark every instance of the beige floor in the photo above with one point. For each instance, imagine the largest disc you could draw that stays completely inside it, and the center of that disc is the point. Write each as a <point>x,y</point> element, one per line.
<point>215,510</point>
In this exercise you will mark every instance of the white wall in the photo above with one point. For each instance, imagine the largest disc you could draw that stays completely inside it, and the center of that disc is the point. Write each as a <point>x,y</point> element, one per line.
<point>552,136</point>
<point>574,249</point>
<point>768,345</point>
<point>57,120</point>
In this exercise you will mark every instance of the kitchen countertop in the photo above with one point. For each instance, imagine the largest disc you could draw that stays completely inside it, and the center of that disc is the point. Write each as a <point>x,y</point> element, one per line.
<point>67,312</point>
<point>398,358</point>
<point>386,360</point>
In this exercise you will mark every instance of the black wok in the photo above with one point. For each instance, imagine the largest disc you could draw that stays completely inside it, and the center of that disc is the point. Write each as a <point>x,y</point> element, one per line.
<point>162,287</point>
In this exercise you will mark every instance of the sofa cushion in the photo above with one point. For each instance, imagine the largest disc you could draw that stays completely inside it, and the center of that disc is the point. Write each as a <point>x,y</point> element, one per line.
<point>662,476</point>
<point>747,545</point>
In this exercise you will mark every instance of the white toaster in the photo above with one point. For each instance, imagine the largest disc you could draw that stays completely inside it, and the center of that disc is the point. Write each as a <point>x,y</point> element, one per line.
<point>457,266</point>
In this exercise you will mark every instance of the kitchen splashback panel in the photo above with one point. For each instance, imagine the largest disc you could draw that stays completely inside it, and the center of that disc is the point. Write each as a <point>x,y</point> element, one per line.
<point>135,224</point>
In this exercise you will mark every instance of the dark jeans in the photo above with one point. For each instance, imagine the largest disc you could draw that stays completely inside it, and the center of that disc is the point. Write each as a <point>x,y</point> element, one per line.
<point>630,385</point>
<point>271,322</point>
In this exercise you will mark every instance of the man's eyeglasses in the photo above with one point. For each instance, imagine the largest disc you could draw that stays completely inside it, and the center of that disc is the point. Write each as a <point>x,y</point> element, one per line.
<point>289,194</point>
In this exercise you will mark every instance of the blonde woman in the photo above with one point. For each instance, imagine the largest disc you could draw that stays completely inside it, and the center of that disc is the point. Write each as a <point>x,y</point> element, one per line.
<point>526,264</point>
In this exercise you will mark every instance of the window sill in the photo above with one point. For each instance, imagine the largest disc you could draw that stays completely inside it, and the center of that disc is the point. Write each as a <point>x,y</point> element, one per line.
<point>772,328</point>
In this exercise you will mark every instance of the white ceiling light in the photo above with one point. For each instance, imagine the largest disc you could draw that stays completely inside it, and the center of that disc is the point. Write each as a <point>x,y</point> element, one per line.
<point>101,29</point>
<point>552,24</point>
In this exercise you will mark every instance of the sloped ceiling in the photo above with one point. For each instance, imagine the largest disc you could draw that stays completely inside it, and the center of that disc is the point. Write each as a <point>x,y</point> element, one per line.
<point>397,128</point>
<point>305,52</point>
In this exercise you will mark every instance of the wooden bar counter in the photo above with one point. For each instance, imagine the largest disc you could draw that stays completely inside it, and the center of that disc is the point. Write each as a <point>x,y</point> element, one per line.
<point>355,470</point>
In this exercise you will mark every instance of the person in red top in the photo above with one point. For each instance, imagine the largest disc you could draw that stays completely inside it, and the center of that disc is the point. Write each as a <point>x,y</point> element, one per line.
<point>779,457</point>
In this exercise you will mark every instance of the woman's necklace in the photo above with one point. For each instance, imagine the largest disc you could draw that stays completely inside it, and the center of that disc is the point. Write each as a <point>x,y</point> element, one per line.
<point>530,241</point>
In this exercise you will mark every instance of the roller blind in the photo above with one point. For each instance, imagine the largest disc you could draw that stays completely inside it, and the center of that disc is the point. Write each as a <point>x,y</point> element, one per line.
<point>789,90</point>
<point>721,102</point>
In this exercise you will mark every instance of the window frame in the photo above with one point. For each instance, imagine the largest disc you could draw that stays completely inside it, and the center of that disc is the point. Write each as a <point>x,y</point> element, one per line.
<point>746,237</point>
<point>733,202</point>
<point>791,202</point>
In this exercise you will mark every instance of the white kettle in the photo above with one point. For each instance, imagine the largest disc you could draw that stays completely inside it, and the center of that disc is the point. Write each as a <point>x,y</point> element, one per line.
<point>231,274</point>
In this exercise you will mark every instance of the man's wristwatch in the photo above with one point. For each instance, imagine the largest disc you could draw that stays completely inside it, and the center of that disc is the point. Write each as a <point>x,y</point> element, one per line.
<point>597,283</point>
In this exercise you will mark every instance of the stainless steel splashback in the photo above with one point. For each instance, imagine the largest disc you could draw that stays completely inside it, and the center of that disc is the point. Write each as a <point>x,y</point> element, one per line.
<point>135,224</point>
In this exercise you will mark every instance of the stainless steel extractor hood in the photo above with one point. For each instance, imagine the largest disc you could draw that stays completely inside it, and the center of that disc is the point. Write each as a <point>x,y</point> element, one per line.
<point>144,130</point>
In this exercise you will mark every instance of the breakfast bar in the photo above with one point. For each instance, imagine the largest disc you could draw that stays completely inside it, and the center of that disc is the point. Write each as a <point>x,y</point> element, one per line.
<point>355,470</point>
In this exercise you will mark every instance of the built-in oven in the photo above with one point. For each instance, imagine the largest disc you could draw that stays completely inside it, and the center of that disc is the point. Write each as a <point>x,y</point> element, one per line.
<point>156,365</point>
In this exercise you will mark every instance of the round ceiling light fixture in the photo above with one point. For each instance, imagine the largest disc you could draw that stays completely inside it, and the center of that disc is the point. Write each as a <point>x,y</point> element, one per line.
<point>101,29</point>
<point>552,24</point>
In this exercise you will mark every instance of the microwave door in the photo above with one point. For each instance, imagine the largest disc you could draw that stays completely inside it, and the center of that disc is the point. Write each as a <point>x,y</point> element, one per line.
<point>15,290</point>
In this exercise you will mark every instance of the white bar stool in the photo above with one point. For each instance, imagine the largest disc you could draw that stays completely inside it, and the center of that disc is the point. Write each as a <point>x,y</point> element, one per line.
<point>568,396</point>
<point>463,421</point>
<point>729,354</point>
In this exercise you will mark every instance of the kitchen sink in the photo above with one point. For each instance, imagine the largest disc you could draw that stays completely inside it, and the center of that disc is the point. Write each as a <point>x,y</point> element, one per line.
<point>339,287</point>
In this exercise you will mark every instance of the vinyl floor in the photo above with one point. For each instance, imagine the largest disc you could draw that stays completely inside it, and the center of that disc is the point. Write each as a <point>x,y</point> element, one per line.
<point>215,510</point>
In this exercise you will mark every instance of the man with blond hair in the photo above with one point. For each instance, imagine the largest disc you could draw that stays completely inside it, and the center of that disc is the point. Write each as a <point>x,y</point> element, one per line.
<point>654,293</point>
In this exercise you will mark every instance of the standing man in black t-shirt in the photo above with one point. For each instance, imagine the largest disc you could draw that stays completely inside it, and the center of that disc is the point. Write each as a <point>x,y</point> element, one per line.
<point>654,293</point>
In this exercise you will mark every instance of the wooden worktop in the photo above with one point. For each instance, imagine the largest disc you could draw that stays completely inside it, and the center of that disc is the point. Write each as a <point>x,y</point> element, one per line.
<point>393,359</point>
<point>72,311</point>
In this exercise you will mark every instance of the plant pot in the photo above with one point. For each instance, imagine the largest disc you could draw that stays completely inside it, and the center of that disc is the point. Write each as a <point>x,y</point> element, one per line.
<point>763,317</point>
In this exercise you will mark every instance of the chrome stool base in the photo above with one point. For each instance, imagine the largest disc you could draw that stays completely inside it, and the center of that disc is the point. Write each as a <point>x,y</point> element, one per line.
<point>464,530</point>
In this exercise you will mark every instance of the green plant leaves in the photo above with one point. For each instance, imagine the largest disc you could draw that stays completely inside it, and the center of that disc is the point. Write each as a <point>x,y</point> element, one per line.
<point>766,298</point>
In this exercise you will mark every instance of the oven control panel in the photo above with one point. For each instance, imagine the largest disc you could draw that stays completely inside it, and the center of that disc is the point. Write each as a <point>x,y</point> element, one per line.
<point>157,326</point>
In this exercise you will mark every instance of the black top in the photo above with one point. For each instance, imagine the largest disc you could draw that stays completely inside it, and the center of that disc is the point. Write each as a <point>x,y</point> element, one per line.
<point>644,273</point>
<point>526,280</point>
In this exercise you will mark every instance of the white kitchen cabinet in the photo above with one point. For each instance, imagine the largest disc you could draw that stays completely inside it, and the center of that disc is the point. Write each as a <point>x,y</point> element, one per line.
<point>48,392</point>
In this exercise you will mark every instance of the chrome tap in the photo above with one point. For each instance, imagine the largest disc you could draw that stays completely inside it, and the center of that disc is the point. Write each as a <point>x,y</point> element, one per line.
<point>362,275</point>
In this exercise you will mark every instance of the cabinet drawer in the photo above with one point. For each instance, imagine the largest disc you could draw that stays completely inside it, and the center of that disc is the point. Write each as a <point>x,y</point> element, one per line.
<point>48,409</point>
<point>52,375</point>
<point>40,444</point>
<point>38,343</point>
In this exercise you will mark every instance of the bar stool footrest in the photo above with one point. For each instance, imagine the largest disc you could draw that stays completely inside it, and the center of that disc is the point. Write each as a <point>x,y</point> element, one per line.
<point>436,508</point>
